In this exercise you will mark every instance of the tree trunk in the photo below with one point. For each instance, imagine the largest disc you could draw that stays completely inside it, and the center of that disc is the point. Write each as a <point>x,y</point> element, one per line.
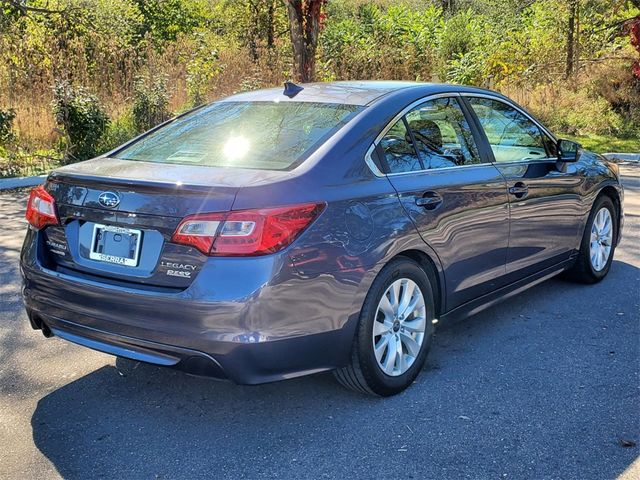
<point>270,26</point>
<point>570,37</point>
<point>252,30</point>
<point>304,25</point>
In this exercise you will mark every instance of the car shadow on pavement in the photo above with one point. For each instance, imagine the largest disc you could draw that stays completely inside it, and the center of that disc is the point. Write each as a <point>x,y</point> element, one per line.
<point>543,385</point>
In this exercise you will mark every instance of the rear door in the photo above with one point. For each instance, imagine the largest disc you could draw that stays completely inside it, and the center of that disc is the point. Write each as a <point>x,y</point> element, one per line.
<point>544,195</point>
<point>457,201</point>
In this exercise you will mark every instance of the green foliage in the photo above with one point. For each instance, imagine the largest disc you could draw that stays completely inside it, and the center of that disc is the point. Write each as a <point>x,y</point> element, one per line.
<point>464,43</point>
<point>151,102</point>
<point>374,42</point>
<point>82,119</point>
<point>118,132</point>
<point>166,19</point>
<point>6,126</point>
<point>21,163</point>
<point>203,66</point>
<point>121,20</point>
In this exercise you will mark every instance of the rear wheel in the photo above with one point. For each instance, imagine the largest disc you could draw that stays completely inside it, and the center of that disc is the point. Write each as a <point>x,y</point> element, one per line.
<point>598,243</point>
<point>394,331</point>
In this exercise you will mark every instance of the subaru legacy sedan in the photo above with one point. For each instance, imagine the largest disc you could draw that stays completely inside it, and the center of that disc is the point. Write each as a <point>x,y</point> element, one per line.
<point>323,227</point>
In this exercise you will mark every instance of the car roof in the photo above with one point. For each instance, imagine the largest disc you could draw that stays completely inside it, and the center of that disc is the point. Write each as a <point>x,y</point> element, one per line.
<point>349,92</point>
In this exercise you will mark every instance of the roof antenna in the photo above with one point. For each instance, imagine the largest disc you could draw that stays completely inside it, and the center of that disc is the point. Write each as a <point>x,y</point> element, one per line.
<point>291,89</point>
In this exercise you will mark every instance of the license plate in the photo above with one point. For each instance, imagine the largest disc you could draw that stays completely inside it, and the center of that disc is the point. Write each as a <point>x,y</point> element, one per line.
<point>115,245</point>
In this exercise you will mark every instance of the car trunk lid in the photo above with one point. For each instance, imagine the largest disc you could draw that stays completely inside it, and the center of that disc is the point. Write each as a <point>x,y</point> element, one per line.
<point>151,201</point>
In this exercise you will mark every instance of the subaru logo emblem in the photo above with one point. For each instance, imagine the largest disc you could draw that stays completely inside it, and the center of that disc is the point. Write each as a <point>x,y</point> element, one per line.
<point>109,199</point>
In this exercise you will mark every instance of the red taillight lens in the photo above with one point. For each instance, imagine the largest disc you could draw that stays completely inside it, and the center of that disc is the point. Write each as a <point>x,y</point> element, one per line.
<point>247,232</point>
<point>41,209</point>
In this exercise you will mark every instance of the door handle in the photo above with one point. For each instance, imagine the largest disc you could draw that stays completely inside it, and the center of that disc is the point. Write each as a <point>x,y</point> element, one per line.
<point>430,200</point>
<point>519,190</point>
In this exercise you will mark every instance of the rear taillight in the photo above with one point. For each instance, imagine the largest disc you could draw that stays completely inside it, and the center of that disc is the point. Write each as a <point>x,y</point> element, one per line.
<point>41,209</point>
<point>246,232</point>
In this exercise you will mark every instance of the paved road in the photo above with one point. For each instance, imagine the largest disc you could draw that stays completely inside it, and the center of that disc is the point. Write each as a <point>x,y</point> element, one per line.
<point>542,386</point>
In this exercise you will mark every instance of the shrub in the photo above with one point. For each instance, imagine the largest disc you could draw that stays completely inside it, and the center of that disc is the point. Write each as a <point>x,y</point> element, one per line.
<point>82,118</point>
<point>572,111</point>
<point>6,126</point>
<point>151,102</point>
<point>119,131</point>
<point>19,163</point>
<point>202,67</point>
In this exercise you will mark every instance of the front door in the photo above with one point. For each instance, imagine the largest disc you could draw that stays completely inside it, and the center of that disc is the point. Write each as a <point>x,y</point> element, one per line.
<point>543,194</point>
<point>457,201</point>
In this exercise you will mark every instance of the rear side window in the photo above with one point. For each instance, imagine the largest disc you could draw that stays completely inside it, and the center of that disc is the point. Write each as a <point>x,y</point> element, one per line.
<point>258,135</point>
<point>442,134</point>
<point>435,134</point>
<point>398,149</point>
<point>511,134</point>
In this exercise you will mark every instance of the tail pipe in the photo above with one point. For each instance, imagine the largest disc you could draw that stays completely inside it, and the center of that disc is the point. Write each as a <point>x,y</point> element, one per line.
<point>38,324</point>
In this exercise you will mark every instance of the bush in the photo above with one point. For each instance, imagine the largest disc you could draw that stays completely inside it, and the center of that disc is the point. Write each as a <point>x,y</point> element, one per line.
<point>119,131</point>
<point>203,65</point>
<point>151,102</point>
<point>391,42</point>
<point>19,163</point>
<point>573,111</point>
<point>82,118</point>
<point>6,126</point>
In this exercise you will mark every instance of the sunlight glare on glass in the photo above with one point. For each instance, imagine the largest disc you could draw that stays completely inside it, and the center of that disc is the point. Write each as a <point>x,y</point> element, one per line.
<point>236,148</point>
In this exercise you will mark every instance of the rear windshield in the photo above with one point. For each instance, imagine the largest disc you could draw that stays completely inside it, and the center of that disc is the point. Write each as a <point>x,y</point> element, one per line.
<point>259,135</point>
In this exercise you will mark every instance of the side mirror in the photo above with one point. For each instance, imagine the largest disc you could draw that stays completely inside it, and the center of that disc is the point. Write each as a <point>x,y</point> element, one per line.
<point>568,151</point>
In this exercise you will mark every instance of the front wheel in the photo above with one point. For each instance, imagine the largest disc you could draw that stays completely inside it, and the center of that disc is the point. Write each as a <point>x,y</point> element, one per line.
<point>394,332</point>
<point>598,243</point>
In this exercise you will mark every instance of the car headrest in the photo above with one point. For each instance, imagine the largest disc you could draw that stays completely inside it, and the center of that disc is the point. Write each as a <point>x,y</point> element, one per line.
<point>429,129</point>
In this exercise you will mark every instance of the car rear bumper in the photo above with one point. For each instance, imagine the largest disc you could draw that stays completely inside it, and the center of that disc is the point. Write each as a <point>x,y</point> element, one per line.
<point>273,326</point>
<point>246,364</point>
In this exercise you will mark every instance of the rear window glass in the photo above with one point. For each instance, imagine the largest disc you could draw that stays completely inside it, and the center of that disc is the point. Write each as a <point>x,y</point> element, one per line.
<point>259,135</point>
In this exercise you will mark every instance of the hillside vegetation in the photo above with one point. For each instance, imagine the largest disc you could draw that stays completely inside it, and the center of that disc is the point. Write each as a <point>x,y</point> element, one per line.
<point>78,77</point>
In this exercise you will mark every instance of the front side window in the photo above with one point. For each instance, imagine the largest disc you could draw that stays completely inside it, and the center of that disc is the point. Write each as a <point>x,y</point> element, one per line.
<point>442,134</point>
<point>511,134</point>
<point>259,135</point>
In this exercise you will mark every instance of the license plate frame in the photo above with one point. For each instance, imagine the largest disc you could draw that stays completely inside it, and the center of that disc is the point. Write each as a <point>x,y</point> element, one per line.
<point>98,228</point>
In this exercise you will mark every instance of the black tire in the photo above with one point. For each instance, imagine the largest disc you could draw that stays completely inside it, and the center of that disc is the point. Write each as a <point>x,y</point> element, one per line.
<point>363,374</point>
<point>582,270</point>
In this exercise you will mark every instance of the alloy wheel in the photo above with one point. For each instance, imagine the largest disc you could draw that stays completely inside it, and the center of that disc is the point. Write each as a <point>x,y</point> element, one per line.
<point>399,327</point>
<point>601,239</point>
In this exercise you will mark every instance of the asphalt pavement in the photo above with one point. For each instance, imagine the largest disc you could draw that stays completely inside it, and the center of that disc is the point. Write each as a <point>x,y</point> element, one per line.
<point>544,385</point>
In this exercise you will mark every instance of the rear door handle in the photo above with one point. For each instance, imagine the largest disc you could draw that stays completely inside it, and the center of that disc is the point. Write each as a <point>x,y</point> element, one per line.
<point>519,190</point>
<point>430,200</point>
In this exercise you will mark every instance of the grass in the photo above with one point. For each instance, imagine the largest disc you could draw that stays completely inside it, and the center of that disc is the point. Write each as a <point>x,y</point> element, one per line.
<point>23,164</point>
<point>606,143</point>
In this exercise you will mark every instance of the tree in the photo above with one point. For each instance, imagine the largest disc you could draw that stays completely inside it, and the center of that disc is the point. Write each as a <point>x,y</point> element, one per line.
<point>634,33</point>
<point>571,36</point>
<point>305,18</point>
